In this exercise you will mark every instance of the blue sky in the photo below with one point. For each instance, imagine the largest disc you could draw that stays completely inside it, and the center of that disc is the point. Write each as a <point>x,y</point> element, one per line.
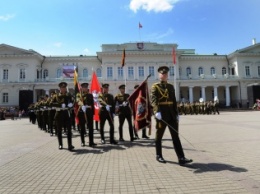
<point>75,27</point>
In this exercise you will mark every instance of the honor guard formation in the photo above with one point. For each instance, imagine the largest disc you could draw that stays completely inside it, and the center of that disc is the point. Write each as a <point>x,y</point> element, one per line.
<point>62,112</point>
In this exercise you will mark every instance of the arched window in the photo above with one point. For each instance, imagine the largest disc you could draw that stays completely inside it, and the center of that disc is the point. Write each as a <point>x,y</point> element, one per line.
<point>85,73</point>
<point>99,73</point>
<point>224,70</point>
<point>45,73</point>
<point>212,70</point>
<point>58,73</point>
<point>200,71</point>
<point>188,71</point>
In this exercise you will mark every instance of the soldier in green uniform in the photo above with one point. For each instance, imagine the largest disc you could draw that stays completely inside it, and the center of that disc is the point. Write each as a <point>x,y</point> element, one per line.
<point>85,113</point>
<point>63,102</point>
<point>124,112</point>
<point>165,109</point>
<point>51,114</point>
<point>106,112</point>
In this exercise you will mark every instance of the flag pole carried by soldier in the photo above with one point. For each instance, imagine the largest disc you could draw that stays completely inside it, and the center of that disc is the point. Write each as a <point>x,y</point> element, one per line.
<point>165,109</point>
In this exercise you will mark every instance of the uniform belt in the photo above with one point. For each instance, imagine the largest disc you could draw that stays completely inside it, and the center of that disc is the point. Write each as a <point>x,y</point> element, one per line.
<point>59,109</point>
<point>165,103</point>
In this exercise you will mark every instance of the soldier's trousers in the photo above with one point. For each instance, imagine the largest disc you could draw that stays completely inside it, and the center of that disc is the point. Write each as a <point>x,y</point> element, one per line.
<point>160,129</point>
<point>103,116</point>
<point>122,118</point>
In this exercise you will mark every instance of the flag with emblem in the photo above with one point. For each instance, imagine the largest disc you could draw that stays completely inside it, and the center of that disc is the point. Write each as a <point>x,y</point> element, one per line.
<point>95,90</point>
<point>141,107</point>
<point>76,90</point>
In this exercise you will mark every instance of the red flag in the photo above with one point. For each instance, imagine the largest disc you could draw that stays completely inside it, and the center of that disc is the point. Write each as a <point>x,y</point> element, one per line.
<point>123,58</point>
<point>95,90</point>
<point>140,25</point>
<point>140,104</point>
<point>173,55</point>
<point>77,90</point>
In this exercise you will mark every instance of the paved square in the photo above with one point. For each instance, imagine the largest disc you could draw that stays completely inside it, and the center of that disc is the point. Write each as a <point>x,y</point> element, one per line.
<point>225,150</point>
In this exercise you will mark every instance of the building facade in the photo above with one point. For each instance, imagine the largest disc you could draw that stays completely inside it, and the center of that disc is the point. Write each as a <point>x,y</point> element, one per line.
<point>25,75</point>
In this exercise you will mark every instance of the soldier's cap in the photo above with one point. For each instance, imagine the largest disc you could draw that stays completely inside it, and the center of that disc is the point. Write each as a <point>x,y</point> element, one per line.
<point>63,84</point>
<point>84,85</point>
<point>121,86</point>
<point>163,69</point>
<point>105,85</point>
<point>136,86</point>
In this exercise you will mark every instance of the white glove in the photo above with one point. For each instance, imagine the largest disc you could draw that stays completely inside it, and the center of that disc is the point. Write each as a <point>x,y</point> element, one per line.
<point>108,107</point>
<point>84,108</point>
<point>63,105</point>
<point>124,103</point>
<point>158,115</point>
<point>70,105</point>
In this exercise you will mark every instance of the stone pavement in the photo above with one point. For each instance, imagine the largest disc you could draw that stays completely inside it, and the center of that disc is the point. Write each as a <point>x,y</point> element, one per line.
<point>225,150</point>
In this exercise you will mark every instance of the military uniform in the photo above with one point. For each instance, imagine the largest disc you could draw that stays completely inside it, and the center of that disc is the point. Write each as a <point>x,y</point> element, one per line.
<point>124,112</point>
<point>51,114</point>
<point>85,114</point>
<point>106,112</point>
<point>165,108</point>
<point>63,102</point>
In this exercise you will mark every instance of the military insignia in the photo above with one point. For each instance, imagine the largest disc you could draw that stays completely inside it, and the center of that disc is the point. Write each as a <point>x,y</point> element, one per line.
<point>140,108</point>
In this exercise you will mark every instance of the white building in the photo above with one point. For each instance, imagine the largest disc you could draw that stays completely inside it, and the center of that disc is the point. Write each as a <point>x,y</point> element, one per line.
<point>25,75</point>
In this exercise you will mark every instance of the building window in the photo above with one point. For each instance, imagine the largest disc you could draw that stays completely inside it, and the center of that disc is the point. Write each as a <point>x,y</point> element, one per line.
<point>99,73</point>
<point>247,68</point>
<point>151,70</point>
<point>58,73</point>
<point>120,72</point>
<point>85,73</point>
<point>109,72</point>
<point>200,70</point>
<point>188,71</point>
<point>5,74</point>
<point>5,97</point>
<point>212,71</point>
<point>171,71</point>
<point>141,71</point>
<point>180,72</point>
<point>224,70</point>
<point>130,72</point>
<point>45,73</point>
<point>22,73</point>
<point>259,71</point>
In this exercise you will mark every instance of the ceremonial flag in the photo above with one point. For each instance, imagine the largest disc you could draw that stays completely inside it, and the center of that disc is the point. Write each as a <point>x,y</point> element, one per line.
<point>77,90</point>
<point>123,58</point>
<point>173,56</point>
<point>140,25</point>
<point>95,90</point>
<point>141,106</point>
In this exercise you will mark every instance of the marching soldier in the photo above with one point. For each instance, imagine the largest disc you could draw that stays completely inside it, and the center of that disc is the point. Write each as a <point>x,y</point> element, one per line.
<point>85,114</point>
<point>165,109</point>
<point>51,114</point>
<point>106,112</point>
<point>63,102</point>
<point>124,112</point>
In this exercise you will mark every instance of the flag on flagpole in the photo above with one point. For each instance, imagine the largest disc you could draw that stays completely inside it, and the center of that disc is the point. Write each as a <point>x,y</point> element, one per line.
<point>76,90</point>
<point>140,25</point>
<point>95,90</point>
<point>141,106</point>
<point>123,58</point>
<point>173,56</point>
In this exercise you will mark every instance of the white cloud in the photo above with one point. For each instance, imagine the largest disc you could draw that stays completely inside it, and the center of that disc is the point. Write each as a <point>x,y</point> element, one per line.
<point>158,36</point>
<point>152,5</point>
<point>58,44</point>
<point>7,17</point>
<point>86,50</point>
